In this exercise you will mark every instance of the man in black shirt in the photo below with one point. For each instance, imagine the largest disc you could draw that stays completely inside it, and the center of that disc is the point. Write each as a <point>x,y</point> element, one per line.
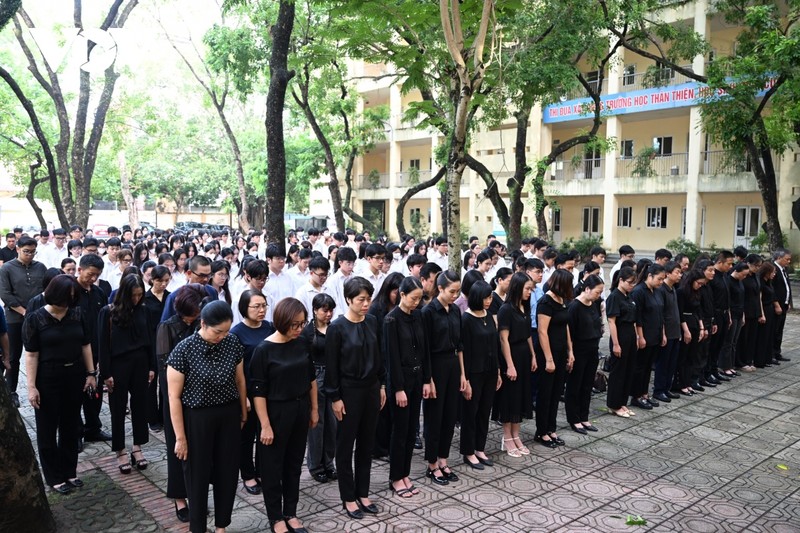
<point>721,295</point>
<point>9,251</point>
<point>783,292</point>
<point>92,299</point>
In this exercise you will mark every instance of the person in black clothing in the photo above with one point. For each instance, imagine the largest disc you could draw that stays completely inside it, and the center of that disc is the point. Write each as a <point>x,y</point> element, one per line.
<point>59,369</point>
<point>170,333</point>
<point>554,355</point>
<point>251,331</point>
<point>154,300</point>
<point>728,355</point>
<point>442,322</point>
<point>127,360</point>
<point>667,359</point>
<point>707,315</point>
<point>208,406</point>
<point>770,309</point>
<point>285,395</point>
<point>753,316</point>
<point>621,314</point>
<point>480,368</point>
<point>499,284</point>
<point>585,330</point>
<point>783,292</point>
<point>355,382</point>
<point>92,300</point>
<point>321,448</point>
<point>408,381</point>
<point>38,301</point>
<point>649,330</point>
<point>693,327</point>
<point>722,317</point>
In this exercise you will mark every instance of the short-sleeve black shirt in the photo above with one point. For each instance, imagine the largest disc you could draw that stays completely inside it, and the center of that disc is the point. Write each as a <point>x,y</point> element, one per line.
<point>649,313</point>
<point>209,370</point>
<point>281,371</point>
<point>621,307</point>
<point>481,343</point>
<point>559,321</point>
<point>442,329</point>
<point>56,341</point>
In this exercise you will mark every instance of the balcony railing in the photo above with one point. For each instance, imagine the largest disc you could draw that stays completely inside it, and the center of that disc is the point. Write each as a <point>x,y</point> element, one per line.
<point>660,165</point>
<point>586,169</point>
<point>580,91</point>
<point>721,162</point>
<point>660,78</point>
<point>373,181</point>
<point>404,179</point>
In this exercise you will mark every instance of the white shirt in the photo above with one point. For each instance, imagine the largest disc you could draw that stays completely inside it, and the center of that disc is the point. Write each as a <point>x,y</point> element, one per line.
<point>299,278</point>
<point>306,294</point>
<point>785,280</point>
<point>375,279</point>
<point>439,259</point>
<point>335,287</point>
<point>614,269</point>
<point>548,271</point>
<point>113,277</point>
<point>53,256</point>
<point>177,281</point>
<point>278,287</point>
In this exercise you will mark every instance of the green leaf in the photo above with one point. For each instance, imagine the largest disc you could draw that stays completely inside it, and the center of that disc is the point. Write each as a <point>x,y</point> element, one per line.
<point>783,467</point>
<point>635,520</point>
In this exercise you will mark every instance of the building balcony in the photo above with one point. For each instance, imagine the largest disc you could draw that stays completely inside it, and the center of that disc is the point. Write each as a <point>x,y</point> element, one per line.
<point>657,166</point>
<point>661,78</point>
<point>373,181</point>
<point>405,179</point>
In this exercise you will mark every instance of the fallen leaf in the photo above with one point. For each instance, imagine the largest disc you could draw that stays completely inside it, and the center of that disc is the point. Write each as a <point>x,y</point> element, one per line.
<point>783,467</point>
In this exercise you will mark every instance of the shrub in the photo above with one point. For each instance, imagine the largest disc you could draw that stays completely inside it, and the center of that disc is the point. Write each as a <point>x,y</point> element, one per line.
<point>583,244</point>
<point>684,246</point>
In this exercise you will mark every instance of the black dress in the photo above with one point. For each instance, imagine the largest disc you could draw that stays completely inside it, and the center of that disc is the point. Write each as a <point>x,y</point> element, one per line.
<point>514,400</point>
<point>551,384</point>
<point>766,332</point>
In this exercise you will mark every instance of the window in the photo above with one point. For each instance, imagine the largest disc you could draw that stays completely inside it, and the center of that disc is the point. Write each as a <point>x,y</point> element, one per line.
<point>624,217</point>
<point>683,222</point>
<point>593,78</point>
<point>591,220</point>
<point>414,163</point>
<point>626,148</point>
<point>663,145</point>
<point>629,75</point>
<point>663,73</point>
<point>557,220</point>
<point>414,215</point>
<point>657,217</point>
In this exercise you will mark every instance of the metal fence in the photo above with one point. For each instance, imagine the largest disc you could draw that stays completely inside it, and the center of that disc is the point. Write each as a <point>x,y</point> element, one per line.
<point>660,165</point>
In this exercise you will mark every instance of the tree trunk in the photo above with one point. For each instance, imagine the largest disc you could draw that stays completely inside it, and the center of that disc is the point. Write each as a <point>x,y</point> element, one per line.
<point>280,75</point>
<point>244,222</point>
<point>540,203</point>
<point>517,183</point>
<point>21,488</point>
<point>764,171</point>
<point>401,204</point>
<point>125,185</point>
<point>31,194</point>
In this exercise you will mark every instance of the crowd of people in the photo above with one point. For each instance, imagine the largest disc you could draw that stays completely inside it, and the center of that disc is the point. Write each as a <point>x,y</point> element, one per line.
<point>252,356</point>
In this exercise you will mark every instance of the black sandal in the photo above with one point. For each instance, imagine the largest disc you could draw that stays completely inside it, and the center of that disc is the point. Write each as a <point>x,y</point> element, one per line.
<point>140,464</point>
<point>124,468</point>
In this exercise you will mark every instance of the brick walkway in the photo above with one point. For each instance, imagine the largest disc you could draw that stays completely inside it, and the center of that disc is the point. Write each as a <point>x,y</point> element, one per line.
<point>726,460</point>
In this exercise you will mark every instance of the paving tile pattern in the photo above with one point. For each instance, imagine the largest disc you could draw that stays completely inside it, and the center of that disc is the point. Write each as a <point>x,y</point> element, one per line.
<point>704,464</point>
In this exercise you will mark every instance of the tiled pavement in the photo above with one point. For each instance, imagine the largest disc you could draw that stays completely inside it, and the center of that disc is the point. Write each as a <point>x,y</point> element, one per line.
<point>726,460</point>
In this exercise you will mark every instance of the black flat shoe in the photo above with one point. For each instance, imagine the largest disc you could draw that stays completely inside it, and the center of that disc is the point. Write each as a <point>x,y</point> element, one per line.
<point>182,514</point>
<point>698,388</point>
<point>673,395</point>
<point>331,474</point>
<point>254,490</point>
<point>371,508</point>
<point>661,397</point>
<point>62,489</point>
<point>637,402</point>
<point>320,477</point>
<point>652,402</point>
<point>558,440</point>
<point>476,466</point>
<point>449,475</point>
<point>75,483</point>
<point>577,429</point>
<point>783,359</point>
<point>687,393</point>
<point>485,462</point>
<point>706,383</point>
<point>300,529</point>
<point>590,428</point>
<point>357,514</point>
<point>439,480</point>
<point>418,443</point>
<point>546,443</point>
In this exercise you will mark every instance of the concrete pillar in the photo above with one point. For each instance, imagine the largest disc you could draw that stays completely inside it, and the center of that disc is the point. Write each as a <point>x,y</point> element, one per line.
<point>610,203</point>
<point>694,203</point>
<point>435,224</point>
<point>395,156</point>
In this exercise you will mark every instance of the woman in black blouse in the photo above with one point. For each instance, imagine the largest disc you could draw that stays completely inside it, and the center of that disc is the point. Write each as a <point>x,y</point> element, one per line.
<point>753,315</point>
<point>442,322</point>
<point>621,314</point>
<point>154,300</point>
<point>409,374</point>
<point>354,380</point>
<point>650,332</point>
<point>285,394</point>
<point>728,356</point>
<point>172,331</point>
<point>321,450</point>
<point>693,327</point>
<point>480,369</point>
<point>554,357</point>
<point>127,362</point>
<point>500,283</point>
<point>769,309</point>
<point>585,330</point>
<point>208,405</point>
<point>60,369</point>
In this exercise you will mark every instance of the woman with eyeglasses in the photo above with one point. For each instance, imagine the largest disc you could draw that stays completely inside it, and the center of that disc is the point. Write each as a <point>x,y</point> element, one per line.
<point>179,273</point>
<point>285,393</point>
<point>354,381</point>
<point>251,331</point>
<point>220,272</point>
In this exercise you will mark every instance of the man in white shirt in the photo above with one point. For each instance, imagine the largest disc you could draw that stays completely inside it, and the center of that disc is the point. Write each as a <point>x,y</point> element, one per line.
<point>113,246</point>
<point>375,256</point>
<point>318,269</point>
<point>279,285</point>
<point>549,264</point>
<point>335,284</point>
<point>439,254</point>
<point>57,250</point>
<point>625,252</point>
<point>299,273</point>
<point>317,242</point>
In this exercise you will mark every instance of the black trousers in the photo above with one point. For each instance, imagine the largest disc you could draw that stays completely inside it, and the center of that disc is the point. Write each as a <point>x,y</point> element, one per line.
<point>321,448</point>
<point>748,342</point>
<point>551,385</point>
<point>404,428</point>
<point>357,431</point>
<point>247,442</point>
<point>716,342</point>
<point>642,366</point>
<point>780,322</point>
<point>702,359</point>
<point>666,366</point>
<point>475,412</point>
<point>441,412</point>
<point>619,378</point>
<point>15,349</point>
<point>383,433</point>
<point>579,386</point>
<point>212,436</point>
<point>58,420</point>
<point>282,460</point>
<point>688,357</point>
<point>176,485</point>
<point>130,372</point>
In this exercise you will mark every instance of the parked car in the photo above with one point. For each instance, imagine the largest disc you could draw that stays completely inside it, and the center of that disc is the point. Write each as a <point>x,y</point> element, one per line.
<point>100,231</point>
